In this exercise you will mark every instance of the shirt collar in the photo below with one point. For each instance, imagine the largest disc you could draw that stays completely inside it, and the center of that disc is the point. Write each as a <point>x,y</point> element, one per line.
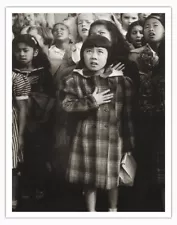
<point>27,72</point>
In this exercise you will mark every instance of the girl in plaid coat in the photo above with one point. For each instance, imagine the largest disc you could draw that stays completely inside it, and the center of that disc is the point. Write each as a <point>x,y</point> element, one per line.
<point>99,101</point>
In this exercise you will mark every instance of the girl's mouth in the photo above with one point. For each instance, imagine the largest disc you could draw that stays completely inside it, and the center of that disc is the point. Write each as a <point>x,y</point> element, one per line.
<point>84,30</point>
<point>151,35</point>
<point>94,64</point>
<point>60,34</point>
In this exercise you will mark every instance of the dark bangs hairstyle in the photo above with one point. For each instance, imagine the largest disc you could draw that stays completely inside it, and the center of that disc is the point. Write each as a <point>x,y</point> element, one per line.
<point>120,48</point>
<point>95,41</point>
<point>40,60</point>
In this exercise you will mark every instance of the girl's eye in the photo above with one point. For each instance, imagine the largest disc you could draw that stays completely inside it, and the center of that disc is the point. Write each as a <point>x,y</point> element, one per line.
<point>88,50</point>
<point>80,22</point>
<point>134,32</point>
<point>100,51</point>
<point>101,33</point>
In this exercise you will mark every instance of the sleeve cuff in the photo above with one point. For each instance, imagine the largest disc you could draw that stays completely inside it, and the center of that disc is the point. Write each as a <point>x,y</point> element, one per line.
<point>21,97</point>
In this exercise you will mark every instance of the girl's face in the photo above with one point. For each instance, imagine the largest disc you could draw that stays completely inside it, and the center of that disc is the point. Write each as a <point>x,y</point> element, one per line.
<point>128,18</point>
<point>30,18</point>
<point>60,32</point>
<point>95,58</point>
<point>101,30</point>
<point>153,30</point>
<point>142,16</point>
<point>24,54</point>
<point>136,36</point>
<point>84,22</point>
<point>38,37</point>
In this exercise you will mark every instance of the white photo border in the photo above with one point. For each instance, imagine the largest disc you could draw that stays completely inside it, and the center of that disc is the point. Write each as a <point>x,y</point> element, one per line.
<point>168,94</point>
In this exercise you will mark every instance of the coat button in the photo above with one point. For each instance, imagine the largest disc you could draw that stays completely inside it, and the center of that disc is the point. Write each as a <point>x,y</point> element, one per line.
<point>106,109</point>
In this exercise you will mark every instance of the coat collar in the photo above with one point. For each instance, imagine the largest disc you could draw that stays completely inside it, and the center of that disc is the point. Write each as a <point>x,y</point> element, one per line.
<point>108,73</point>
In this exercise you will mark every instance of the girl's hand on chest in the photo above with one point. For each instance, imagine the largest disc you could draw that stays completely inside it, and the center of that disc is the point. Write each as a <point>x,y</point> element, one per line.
<point>102,97</point>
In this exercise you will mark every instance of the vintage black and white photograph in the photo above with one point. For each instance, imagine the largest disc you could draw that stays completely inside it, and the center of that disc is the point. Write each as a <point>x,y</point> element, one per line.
<point>88,110</point>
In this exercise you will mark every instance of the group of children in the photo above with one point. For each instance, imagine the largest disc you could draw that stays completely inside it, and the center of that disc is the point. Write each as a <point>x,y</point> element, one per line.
<point>81,101</point>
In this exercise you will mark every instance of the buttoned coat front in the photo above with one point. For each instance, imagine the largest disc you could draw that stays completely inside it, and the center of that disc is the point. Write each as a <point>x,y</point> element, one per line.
<point>102,133</point>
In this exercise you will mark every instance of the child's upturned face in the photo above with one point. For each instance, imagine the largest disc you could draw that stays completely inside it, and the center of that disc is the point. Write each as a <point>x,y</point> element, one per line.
<point>84,22</point>
<point>128,18</point>
<point>101,30</point>
<point>60,32</point>
<point>30,18</point>
<point>136,36</point>
<point>24,53</point>
<point>95,58</point>
<point>153,30</point>
<point>142,16</point>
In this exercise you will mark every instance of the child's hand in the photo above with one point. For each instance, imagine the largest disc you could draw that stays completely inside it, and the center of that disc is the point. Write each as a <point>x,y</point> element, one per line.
<point>117,22</point>
<point>119,66</point>
<point>102,97</point>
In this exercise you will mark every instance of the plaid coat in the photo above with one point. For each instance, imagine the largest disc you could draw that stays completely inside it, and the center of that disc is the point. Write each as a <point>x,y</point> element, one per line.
<point>102,132</point>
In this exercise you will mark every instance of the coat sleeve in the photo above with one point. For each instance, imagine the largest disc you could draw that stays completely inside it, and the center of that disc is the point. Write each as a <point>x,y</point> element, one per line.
<point>128,126</point>
<point>74,101</point>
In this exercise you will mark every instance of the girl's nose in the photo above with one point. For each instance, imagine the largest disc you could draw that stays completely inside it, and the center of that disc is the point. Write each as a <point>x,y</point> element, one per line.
<point>83,23</point>
<point>151,28</point>
<point>21,53</point>
<point>138,34</point>
<point>94,54</point>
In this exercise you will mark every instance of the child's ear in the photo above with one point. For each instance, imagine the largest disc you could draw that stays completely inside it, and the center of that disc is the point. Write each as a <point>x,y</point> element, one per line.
<point>36,52</point>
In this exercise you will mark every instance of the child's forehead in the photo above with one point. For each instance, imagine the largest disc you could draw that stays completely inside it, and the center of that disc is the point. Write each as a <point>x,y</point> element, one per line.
<point>137,26</point>
<point>85,16</point>
<point>130,15</point>
<point>23,45</point>
<point>60,25</point>
<point>99,26</point>
<point>29,14</point>
<point>152,20</point>
<point>95,47</point>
